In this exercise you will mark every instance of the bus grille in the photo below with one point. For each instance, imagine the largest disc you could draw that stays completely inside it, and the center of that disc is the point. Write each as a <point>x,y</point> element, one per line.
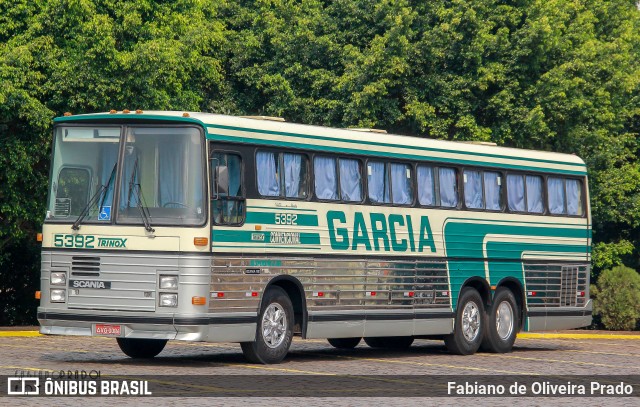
<point>554,285</point>
<point>85,266</point>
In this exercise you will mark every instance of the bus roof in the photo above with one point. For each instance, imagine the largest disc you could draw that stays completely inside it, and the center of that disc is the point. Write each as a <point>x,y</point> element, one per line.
<point>279,134</point>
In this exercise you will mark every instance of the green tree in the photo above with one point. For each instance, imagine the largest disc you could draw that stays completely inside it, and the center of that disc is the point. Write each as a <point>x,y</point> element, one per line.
<point>617,298</point>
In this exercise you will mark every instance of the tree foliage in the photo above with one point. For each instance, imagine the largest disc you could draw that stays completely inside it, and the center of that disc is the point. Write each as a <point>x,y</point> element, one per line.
<point>617,298</point>
<point>555,75</point>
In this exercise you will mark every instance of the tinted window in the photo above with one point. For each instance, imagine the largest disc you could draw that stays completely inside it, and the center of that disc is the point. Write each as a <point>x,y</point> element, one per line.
<point>515,192</point>
<point>493,191</point>
<point>401,185</point>
<point>228,204</point>
<point>378,181</point>
<point>557,200</point>
<point>448,187</point>
<point>574,197</point>
<point>426,190</point>
<point>350,180</point>
<point>473,189</point>
<point>534,194</point>
<point>326,182</point>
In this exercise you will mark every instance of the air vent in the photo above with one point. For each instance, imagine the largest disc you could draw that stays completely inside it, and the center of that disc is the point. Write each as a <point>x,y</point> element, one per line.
<point>569,287</point>
<point>85,266</point>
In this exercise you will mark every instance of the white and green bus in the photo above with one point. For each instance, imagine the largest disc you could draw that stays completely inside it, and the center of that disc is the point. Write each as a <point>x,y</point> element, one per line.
<point>202,227</point>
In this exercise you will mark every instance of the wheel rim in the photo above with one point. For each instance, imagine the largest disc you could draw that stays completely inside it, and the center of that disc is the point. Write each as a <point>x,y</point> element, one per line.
<point>470,321</point>
<point>274,325</point>
<point>504,320</point>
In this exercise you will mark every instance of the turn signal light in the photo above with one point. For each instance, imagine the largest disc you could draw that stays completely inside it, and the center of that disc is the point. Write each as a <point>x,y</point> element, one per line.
<point>38,294</point>
<point>198,300</point>
<point>200,241</point>
<point>39,237</point>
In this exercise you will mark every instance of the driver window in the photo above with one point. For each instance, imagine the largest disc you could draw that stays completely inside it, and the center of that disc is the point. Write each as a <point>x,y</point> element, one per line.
<point>73,191</point>
<point>227,190</point>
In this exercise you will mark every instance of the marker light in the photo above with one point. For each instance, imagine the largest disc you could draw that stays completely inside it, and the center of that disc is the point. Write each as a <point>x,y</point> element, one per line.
<point>168,282</point>
<point>58,295</point>
<point>58,278</point>
<point>198,301</point>
<point>39,237</point>
<point>113,111</point>
<point>168,300</point>
<point>38,295</point>
<point>138,111</point>
<point>200,241</point>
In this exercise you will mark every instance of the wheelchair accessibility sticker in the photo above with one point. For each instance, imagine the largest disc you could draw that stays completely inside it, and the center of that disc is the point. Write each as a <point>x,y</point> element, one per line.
<point>105,213</point>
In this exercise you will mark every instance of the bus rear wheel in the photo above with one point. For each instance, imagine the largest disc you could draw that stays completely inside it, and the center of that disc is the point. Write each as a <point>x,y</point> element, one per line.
<point>389,342</point>
<point>469,324</point>
<point>344,343</point>
<point>275,329</point>
<point>141,348</point>
<point>502,322</point>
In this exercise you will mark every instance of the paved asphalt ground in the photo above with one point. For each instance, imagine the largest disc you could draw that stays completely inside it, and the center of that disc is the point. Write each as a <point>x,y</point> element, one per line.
<point>595,354</point>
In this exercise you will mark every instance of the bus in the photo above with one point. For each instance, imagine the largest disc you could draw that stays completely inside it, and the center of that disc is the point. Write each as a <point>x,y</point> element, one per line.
<point>191,226</point>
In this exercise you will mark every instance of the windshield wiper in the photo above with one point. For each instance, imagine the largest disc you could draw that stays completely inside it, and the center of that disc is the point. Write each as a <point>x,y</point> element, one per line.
<point>94,199</point>
<point>135,188</point>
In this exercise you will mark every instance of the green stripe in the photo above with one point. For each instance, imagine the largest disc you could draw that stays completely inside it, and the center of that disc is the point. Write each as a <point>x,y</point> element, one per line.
<point>396,155</point>
<point>270,219</point>
<point>379,144</point>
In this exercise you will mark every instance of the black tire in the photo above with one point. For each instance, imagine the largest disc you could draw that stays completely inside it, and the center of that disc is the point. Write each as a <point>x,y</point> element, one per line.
<point>504,302</point>
<point>141,348</point>
<point>458,343</point>
<point>389,342</point>
<point>260,351</point>
<point>344,343</point>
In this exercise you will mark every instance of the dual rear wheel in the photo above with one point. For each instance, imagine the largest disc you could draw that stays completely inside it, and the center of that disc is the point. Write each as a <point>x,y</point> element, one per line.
<point>492,329</point>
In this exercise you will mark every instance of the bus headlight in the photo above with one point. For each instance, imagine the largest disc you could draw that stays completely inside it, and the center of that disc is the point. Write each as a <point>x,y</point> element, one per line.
<point>168,300</point>
<point>58,278</point>
<point>168,282</point>
<point>58,295</point>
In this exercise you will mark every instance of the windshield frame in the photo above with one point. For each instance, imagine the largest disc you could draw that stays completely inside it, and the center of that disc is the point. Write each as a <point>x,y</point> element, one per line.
<point>118,177</point>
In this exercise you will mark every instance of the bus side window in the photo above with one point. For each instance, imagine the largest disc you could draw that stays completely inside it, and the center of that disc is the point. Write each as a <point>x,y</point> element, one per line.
<point>574,197</point>
<point>227,189</point>
<point>557,197</point>
<point>534,194</point>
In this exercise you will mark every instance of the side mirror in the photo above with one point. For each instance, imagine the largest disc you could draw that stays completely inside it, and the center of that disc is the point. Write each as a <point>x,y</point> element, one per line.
<point>222,180</point>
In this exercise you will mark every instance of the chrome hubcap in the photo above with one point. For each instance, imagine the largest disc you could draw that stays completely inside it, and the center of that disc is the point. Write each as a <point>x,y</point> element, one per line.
<point>504,320</point>
<point>274,325</point>
<point>470,321</point>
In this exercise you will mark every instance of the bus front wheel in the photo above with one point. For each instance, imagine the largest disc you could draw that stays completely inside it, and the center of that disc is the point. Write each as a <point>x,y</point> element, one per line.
<point>469,324</point>
<point>502,322</point>
<point>275,329</point>
<point>141,348</point>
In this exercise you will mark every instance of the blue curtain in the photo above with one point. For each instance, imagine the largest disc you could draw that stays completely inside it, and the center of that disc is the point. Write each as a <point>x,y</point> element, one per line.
<point>473,190</point>
<point>234,167</point>
<point>268,183</point>
<point>171,173</point>
<point>515,192</point>
<point>448,187</point>
<point>325,175</point>
<point>401,192</point>
<point>492,190</point>
<point>425,186</point>
<point>378,182</point>
<point>574,197</point>
<point>534,194</point>
<point>109,158</point>
<point>350,180</point>
<point>292,171</point>
<point>555,187</point>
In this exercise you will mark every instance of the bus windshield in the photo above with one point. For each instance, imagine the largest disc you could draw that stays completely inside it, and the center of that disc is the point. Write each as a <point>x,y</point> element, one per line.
<point>162,173</point>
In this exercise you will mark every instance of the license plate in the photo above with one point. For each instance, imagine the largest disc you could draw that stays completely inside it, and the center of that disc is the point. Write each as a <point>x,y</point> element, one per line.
<point>108,330</point>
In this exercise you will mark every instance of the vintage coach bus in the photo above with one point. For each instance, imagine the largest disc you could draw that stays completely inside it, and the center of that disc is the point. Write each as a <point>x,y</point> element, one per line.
<point>203,227</point>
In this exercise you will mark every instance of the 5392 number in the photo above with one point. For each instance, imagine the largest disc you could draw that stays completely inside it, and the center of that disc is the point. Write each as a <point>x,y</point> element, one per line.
<point>286,219</point>
<point>76,241</point>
